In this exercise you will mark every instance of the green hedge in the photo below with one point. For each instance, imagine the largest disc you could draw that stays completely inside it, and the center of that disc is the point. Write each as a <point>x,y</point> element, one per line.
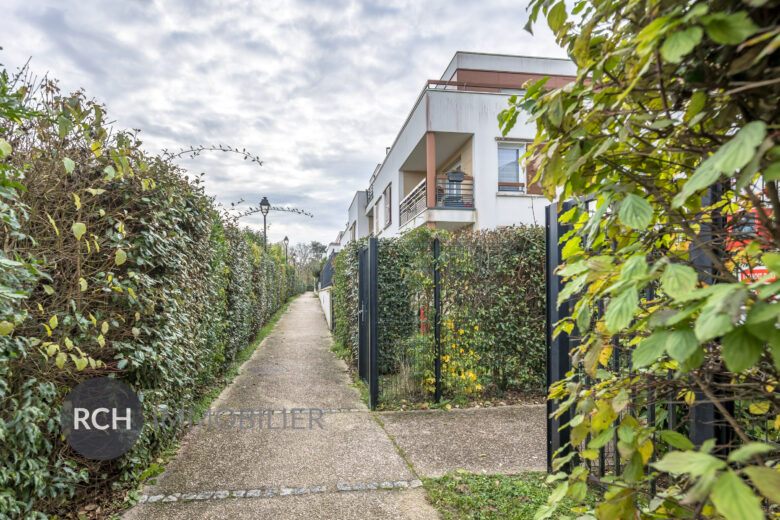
<point>113,263</point>
<point>493,310</point>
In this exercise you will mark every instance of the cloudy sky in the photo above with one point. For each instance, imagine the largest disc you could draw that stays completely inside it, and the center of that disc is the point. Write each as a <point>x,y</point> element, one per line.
<point>316,88</point>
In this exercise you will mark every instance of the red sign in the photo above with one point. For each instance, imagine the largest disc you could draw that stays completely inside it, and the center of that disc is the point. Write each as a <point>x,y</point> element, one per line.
<point>756,273</point>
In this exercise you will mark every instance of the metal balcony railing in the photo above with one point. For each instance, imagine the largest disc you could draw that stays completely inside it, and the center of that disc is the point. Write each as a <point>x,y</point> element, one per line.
<point>452,194</point>
<point>413,203</point>
<point>449,194</point>
<point>370,193</point>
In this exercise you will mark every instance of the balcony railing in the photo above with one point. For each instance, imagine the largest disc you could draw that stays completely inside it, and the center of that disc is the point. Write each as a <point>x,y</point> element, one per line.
<point>452,194</point>
<point>370,193</point>
<point>449,194</point>
<point>413,203</point>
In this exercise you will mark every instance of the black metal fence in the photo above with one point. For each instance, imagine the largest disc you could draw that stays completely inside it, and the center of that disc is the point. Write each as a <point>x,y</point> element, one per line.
<point>657,403</point>
<point>326,275</point>
<point>367,310</point>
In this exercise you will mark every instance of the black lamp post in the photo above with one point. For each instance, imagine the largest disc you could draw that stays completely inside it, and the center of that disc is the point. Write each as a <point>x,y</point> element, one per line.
<point>286,241</point>
<point>265,206</point>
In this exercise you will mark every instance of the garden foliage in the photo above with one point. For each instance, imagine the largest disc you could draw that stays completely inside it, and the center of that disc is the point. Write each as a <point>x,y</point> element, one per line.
<point>668,141</point>
<point>493,311</point>
<point>115,264</point>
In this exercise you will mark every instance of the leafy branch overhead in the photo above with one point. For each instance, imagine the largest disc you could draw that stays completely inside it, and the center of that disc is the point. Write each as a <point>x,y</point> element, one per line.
<point>668,141</point>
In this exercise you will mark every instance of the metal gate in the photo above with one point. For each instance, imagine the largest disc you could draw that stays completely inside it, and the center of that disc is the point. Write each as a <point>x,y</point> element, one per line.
<point>367,309</point>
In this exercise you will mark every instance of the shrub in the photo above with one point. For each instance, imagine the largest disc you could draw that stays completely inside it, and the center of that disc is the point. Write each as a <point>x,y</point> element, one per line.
<point>113,264</point>
<point>493,310</point>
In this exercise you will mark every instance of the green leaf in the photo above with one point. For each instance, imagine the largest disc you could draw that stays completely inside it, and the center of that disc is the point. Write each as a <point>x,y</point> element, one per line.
<point>726,160</point>
<point>766,480</point>
<point>696,104</point>
<point>682,344</point>
<point>729,29</point>
<point>680,43</point>
<point>691,462</point>
<point>734,499</point>
<point>122,364</point>
<point>602,439</point>
<point>557,16</point>
<point>676,440</point>
<point>745,452</point>
<point>678,280</point>
<point>650,349</point>
<point>621,310</point>
<point>121,257</point>
<point>48,289</point>
<point>741,349</point>
<point>69,164</point>
<point>5,148</point>
<point>635,212</point>
<point>711,324</point>
<point>78,228</point>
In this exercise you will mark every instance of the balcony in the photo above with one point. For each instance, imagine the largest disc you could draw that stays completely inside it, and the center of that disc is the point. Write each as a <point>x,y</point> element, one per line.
<point>450,195</point>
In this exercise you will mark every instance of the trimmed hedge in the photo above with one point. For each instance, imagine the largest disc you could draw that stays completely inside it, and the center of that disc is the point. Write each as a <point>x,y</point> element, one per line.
<point>113,263</point>
<point>493,310</point>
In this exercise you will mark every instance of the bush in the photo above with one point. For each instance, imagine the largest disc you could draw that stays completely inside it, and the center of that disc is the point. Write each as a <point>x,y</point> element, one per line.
<point>113,264</point>
<point>493,310</point>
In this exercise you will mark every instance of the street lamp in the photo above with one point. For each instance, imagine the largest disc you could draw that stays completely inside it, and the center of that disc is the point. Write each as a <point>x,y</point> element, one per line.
<point>286,241</point>
<point>265,206</point>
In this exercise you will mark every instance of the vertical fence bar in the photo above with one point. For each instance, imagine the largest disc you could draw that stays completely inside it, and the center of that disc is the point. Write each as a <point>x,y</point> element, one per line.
<point>437,315</point>
<point>373,383</point>
<point>558,361</point>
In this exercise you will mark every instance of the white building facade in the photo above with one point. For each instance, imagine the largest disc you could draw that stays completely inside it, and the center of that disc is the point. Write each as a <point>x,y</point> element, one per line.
<point>449,166</point>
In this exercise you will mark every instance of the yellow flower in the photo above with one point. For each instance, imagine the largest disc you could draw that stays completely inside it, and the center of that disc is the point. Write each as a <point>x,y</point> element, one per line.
<point>431,380</point>
<point>453,345</point>
<point>476,327</point>
<point>472,376</point>
<point>478,387</point>
<point>446,359</point>
<point>461,332</point>
<point>471,352</point>
<point>461,351</point>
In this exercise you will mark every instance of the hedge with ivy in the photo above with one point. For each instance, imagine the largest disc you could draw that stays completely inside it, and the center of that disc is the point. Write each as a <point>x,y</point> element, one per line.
<point>114,263</point>
<point>493,310</point>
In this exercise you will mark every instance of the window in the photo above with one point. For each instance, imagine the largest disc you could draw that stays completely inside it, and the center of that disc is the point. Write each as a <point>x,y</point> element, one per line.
<point>388,207</point>
<point>509,170</point>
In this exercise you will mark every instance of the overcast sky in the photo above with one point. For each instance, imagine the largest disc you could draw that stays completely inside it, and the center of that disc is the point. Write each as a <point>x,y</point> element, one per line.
<point>316,88</point>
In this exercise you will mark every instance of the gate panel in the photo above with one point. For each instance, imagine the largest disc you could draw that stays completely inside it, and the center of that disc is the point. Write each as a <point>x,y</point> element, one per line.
<point>367,309</point>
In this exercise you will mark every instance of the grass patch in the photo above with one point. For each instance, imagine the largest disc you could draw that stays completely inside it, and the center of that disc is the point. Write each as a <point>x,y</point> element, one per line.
<point>462,495</point>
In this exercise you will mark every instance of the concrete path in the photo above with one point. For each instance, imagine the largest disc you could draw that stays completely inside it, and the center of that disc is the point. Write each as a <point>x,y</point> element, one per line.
<point>335,464</point>
<point>325,455</point>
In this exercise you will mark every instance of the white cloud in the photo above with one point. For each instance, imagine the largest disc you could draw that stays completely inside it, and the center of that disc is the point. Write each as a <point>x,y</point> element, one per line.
<point>317,88</point>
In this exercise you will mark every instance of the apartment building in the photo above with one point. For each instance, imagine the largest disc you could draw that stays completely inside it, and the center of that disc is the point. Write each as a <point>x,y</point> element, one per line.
<point>449,166</point>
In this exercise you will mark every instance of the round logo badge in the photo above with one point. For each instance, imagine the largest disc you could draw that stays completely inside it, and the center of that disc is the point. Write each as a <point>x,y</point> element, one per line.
<point>102,418</point>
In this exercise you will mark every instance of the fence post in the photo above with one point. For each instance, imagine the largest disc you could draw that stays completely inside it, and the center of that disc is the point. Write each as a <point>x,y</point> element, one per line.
<point>706,421</point>
<point>437,315</point>
<point>558,361</point>
<point>373,381</point>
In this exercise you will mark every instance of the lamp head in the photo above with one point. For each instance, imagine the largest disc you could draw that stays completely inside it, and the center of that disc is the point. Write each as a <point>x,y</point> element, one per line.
<point>265,206</point>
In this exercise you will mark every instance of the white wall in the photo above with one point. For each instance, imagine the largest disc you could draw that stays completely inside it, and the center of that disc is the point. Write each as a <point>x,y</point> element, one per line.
<point>325,296</point>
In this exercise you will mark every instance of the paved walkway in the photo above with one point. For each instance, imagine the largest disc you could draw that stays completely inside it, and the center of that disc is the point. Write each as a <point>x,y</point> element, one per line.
<point>331,458</point>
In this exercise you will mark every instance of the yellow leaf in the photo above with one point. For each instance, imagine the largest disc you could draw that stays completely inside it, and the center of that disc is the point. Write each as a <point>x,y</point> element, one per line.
<point>81,363</point>
<point>68,343</point>
<point>690,398</point>
<point>78,228</point>
<point>590,454</point>
<point>60,361</point>
<point>131,291</point>
<point>101,340</point>
<point>48,289</point>
<point>121,257</point>
<point>51,221</point>
<point>82,284</point>
<point>759,408</point>
<point>53,322</point>
<point>48,330</point>
<point>6,327</point>
<point>646,450</point>
<point>104,327</point>
<point>76,201</point>
<point>605,354</point>
<point>92,318</point>
<point>51,349</point>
